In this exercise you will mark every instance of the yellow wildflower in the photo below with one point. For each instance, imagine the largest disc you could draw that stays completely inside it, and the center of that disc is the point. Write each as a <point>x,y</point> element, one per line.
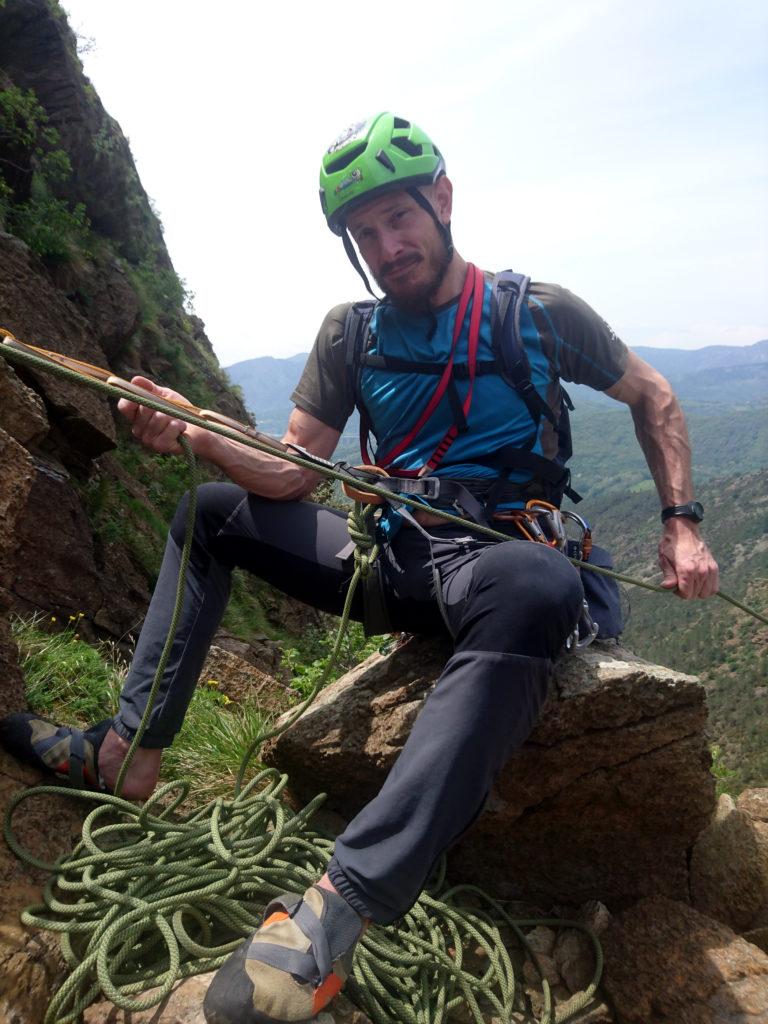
<point>53,618</point>
<point>225,699</point>
<point>212,682</point>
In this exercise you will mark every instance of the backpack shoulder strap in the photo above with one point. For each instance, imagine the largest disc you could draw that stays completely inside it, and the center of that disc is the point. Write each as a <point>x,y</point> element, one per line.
<point>507,297</point>
<point>356,324</point>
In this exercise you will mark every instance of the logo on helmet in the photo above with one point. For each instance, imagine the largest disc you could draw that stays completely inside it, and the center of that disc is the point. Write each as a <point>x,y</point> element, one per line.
<point>349,181</point>
<point>353,132</point>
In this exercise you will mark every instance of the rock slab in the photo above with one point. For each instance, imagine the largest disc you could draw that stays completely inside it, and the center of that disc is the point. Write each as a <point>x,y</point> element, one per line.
<point>665,963</point>
<point>603,802</point>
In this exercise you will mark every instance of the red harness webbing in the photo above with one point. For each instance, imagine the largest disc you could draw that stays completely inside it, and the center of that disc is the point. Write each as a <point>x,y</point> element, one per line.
<point>473,288</point>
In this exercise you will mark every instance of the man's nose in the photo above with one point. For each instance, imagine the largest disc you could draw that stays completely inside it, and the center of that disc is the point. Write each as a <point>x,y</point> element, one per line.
<point>390,245</point>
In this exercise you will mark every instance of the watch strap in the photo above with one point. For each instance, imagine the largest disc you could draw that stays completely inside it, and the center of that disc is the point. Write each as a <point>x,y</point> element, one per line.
<point>692,510</point>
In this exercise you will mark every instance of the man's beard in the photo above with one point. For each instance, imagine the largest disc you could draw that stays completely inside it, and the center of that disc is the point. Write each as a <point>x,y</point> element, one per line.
<point>416,298</point>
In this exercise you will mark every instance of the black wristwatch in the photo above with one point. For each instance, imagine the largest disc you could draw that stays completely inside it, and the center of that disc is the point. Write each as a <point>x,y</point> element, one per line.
<point>693,510</point>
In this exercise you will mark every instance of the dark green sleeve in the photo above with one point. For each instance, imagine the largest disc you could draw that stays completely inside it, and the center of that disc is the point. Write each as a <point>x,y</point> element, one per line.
<point>324,390</point>
<point>580,344</point>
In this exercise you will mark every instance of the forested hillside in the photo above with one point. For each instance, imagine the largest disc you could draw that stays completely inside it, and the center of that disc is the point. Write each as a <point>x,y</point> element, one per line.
<point>711,639</point>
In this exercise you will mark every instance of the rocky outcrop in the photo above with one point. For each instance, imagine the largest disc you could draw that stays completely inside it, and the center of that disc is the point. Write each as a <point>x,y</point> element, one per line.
<point>729,866</point>
<point>665,963</point>
<point>31,963</point>
<point>241,681</point>
<point>615,773</point>
<point>16,473</point>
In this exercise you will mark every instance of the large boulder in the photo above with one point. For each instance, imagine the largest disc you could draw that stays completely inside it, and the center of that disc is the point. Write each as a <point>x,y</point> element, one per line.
<point>729,864</point>
<point>603,802</point>
<point>665,963</point>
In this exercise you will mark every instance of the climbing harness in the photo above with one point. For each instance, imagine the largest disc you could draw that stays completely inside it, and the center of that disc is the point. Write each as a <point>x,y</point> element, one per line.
<point>155,896</point>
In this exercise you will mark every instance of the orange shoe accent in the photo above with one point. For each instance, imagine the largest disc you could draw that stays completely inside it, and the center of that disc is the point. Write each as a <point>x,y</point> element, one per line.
<point>279,915</point>
<point>327,991</point>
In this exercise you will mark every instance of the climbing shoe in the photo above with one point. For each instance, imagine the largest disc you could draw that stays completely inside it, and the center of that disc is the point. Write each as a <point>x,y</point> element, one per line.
<point>292,967</point>
<point>70,753</point>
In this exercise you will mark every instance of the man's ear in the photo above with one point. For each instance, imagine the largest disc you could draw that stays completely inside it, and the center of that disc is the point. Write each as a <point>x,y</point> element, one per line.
<point>443,198</point>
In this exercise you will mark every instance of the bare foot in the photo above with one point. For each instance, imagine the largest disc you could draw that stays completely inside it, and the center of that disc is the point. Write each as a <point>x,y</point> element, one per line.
<point>142,776</point>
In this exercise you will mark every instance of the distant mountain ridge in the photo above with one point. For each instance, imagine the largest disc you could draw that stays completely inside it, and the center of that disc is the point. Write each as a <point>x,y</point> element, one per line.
<point>731,374</point>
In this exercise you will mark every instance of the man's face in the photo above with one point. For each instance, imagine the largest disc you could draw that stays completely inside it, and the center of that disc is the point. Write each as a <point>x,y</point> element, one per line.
<point>403,248</point>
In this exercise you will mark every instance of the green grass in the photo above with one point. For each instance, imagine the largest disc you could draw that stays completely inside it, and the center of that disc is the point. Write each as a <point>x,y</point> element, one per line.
<point>67,679</point>
<point>213,741</point>
<point>74,683</point>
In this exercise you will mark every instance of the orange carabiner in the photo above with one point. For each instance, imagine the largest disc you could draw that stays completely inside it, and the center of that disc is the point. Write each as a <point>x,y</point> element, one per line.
<point>365,496</point>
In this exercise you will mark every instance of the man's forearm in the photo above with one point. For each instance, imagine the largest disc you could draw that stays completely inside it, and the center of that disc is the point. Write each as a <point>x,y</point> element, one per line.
<point>262,474</point>
<point>660,429</point>
<point>663,436</point>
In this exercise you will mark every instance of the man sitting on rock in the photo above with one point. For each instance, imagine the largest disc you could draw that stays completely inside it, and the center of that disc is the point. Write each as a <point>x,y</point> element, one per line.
<point>427,374</point>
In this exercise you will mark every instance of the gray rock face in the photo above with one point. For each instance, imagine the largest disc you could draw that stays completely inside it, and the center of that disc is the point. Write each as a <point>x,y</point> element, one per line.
<point>668,964</point>
<point>603,801</point>
<point>729,865</point>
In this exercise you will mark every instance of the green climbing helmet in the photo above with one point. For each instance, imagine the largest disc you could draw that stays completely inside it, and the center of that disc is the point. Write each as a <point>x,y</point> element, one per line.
<point>371,157</point>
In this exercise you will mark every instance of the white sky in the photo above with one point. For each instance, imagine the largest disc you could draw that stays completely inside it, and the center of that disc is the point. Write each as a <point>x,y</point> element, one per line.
<point>620,149</point>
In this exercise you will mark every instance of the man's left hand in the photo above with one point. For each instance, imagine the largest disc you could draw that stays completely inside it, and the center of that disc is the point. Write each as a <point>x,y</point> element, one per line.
<point>686,561</point>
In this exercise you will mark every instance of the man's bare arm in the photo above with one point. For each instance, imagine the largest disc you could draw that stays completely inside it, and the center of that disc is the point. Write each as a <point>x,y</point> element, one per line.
<point>265,475</point>
<point>685,559</point>
<point>268,475</point>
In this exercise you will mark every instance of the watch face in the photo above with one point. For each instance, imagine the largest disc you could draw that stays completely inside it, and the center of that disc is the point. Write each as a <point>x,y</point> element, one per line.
<point>697,511</point>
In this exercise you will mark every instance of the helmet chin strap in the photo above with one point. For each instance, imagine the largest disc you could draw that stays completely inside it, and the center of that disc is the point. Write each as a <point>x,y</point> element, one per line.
<point>444,229</point>
<point>353,259</point>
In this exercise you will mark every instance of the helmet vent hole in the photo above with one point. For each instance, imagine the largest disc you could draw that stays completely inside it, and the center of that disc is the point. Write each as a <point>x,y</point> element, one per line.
<point>345,159</point>
<point>382,157</point>
<point>411,148</point>
<point>400,122</point>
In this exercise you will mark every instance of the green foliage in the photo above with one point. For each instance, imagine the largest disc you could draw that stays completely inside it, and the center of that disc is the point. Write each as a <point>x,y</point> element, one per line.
<point>724,775</point>
<point>66,678</point>
<point>158,288</point>
<point>308,660</point>
<point>47,223</point>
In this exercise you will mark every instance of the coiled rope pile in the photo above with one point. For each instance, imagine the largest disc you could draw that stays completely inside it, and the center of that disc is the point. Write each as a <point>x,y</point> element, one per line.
<point>150,895</point>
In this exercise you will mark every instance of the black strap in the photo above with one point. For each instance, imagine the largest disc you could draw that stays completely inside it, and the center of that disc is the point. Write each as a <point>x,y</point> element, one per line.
<point>507,297</point>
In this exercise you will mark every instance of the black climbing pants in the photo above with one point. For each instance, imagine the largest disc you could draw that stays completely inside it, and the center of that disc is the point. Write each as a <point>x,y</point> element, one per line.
<point>509,608</point>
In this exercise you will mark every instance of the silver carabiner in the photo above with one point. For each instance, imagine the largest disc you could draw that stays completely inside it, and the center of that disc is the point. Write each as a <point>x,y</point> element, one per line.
<point>591,629</point>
